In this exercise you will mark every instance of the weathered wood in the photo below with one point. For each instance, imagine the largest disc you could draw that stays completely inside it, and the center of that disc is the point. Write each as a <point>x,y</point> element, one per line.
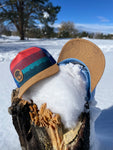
<point>82,142</point>
<point>38,130</point>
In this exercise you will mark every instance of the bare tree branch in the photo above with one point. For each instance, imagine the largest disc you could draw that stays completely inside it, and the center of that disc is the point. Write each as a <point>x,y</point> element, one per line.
<point>2,5</point>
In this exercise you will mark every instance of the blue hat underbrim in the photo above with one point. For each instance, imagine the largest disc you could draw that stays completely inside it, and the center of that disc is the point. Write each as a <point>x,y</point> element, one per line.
<point>84,70</point>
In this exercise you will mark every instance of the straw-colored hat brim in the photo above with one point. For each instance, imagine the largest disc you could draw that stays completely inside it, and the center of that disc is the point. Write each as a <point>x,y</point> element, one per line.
<point>88,53</point>
<point>42,75</point>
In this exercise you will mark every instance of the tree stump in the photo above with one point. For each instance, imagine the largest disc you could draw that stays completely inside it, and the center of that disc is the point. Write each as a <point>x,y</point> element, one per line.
<point>43,130</point>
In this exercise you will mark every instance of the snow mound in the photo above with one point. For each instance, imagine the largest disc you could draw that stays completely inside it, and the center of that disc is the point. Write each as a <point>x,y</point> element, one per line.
<point>64,93</point>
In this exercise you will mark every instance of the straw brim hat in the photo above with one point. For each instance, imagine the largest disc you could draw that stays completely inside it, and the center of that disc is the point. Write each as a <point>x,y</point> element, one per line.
<point>89,54</point>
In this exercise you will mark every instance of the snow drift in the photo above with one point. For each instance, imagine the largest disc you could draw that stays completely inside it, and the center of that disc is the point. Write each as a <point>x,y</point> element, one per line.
<point>102,128</point>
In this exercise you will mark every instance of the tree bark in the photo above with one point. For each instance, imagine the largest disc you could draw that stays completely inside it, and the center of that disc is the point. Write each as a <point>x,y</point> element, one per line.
<point>22,37</point>
<point>21,18</point>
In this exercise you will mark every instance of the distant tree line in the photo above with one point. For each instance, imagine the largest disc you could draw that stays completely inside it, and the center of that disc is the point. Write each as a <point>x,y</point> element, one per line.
<point>95,35</point>
<point>66,30</point>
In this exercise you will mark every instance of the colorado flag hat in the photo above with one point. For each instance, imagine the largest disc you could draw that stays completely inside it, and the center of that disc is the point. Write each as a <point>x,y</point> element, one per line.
<point>30,66</point>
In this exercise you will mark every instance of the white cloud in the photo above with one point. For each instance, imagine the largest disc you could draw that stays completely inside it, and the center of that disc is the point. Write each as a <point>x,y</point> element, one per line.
<point>89,27</point>
<point>92,27</point>
<point>103,19</point>
<point>56,25</point>
<point>95,28</point>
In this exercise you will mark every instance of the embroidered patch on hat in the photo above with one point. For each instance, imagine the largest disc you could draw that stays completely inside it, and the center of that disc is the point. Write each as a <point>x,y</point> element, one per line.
<point>18,75</point>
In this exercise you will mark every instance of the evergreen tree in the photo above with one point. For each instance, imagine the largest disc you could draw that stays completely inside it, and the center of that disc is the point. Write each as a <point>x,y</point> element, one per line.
<point>83,34</point>
<point>25,13</point>
<point>47,17</point>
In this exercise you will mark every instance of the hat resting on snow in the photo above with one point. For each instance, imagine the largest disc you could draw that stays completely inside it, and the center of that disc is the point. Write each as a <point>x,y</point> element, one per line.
<point>34,64</point>
<point>30,66</point>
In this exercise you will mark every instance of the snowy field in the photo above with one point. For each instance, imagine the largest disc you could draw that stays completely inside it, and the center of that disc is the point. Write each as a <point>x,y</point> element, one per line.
<point>10,46</point>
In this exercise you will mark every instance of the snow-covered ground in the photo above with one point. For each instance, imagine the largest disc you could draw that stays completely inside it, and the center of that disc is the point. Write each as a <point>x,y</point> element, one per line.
<point>10,46</point>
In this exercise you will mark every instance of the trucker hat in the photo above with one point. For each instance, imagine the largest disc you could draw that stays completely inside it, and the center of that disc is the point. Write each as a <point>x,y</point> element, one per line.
<point>30,66</point>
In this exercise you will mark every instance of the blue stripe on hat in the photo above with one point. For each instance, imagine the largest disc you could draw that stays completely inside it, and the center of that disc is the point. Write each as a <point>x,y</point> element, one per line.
<point>36,63</point>
<point>35,69</point>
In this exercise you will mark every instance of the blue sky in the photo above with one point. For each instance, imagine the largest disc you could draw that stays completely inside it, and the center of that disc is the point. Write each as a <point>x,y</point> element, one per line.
<point>90,15</point>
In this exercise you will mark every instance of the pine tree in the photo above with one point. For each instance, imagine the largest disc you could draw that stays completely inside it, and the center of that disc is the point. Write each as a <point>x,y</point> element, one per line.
<point>25,13</point>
